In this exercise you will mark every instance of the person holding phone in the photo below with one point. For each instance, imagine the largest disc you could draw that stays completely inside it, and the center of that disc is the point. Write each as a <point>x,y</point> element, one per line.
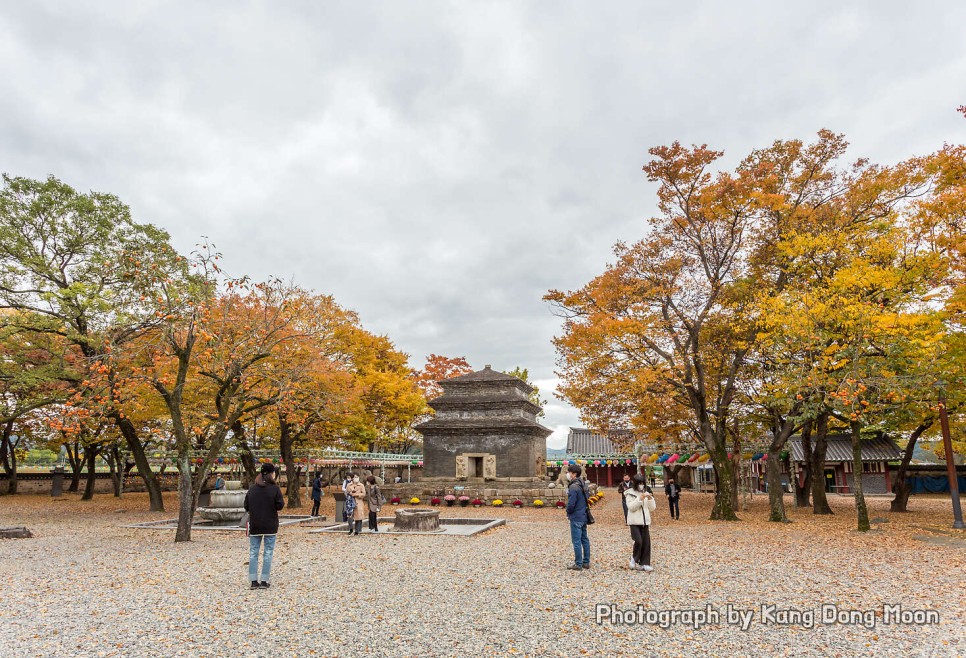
<point>263,503</point>
<point>640,504</point>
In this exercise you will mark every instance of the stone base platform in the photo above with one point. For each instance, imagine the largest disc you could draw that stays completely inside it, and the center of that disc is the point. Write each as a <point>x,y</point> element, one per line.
<point>525,491</point>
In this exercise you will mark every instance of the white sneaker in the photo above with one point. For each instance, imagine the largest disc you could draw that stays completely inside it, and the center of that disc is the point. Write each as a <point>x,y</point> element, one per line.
<point>632,564</point>
<point>647,567</point>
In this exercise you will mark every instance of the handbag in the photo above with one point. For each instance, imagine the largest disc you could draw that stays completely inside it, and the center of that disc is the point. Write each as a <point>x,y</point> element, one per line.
<point>590,517</point>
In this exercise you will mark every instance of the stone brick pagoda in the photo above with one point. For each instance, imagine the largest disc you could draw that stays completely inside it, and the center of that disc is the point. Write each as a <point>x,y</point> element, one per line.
<point>484,442</point>
<point>485,429</point>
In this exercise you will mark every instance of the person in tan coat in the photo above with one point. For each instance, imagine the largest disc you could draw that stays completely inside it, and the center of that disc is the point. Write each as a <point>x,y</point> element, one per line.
<point>357,491</point>
<point>374,501</point>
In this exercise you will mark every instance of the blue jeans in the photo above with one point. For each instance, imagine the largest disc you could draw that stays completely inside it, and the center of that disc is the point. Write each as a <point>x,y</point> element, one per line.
<point>255,543</point>
<point>578,535</point>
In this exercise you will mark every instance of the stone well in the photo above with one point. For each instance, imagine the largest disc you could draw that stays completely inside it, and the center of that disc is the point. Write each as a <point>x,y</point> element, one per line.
<point>416,520</point>
<point>227,504</point>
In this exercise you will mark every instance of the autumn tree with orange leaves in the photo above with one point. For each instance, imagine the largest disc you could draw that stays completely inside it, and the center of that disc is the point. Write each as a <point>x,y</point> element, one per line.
<point>794,289</point>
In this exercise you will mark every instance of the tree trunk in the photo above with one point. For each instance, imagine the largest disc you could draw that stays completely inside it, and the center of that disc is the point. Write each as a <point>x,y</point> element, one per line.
<point>782,429</point>
<point>860,507</point>
<point>776,496</point>
<point>726,492</point>
<point>819,499</point>
<point>76,463</point>
<point>186,510</point>
<point>134,444</point>
<point>8,454</point>
<point>90,459</point>
<point>249,469</point>
<point>113,456</point>
<point>802,497</point>
<point>286,437</point>
<point>900,487</point>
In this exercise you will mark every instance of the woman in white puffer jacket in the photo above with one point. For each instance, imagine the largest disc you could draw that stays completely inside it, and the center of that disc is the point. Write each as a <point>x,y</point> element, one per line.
<point>640,504</point>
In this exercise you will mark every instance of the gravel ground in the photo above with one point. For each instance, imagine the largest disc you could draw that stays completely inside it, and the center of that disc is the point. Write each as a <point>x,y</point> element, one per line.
<point>85,586</point>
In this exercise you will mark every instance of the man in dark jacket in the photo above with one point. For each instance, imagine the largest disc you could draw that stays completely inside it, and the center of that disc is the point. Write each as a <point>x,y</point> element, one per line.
<point>577,514</point>
<point>316,494</point>
<point>262,502</point>
<point>673,493</point>
<point>621,488</point>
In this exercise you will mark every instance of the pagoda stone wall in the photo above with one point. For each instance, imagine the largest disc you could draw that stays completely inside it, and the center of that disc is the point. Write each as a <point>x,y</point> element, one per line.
<point>516,455</point>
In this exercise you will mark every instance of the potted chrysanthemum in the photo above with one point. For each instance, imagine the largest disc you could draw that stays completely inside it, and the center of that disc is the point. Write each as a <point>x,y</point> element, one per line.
<point>450,499</point>
<point>497,503</point>
<point>477,502</point>
<point>434,502</point>
<point>395,500</point>
<point>464,501</point>
<point>538,503</point>
<point>414,501</point>
<point>561,504</point>
<point>518,503</point>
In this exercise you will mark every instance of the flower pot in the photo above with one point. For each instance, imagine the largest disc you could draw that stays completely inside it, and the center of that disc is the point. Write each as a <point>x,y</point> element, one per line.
<point>464,503</point>
<point>449,503</point>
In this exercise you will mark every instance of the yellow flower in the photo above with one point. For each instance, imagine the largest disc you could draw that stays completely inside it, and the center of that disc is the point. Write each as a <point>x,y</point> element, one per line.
<point>414,501</point>
<point>497,502</point>
<point>538,503</point>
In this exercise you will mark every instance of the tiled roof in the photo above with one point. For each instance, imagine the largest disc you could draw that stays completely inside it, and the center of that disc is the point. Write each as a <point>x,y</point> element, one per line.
<point>485,375</point>
<point>878,449</point>
<point>582,441</point>
<point>497,424</point>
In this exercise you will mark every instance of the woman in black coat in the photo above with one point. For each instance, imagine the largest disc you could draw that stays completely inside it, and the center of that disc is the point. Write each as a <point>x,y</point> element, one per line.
<point>263,503</point>
<point>316,494</point>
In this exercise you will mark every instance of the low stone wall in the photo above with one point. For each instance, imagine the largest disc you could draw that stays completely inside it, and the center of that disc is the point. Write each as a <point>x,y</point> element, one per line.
<point>487,492</point>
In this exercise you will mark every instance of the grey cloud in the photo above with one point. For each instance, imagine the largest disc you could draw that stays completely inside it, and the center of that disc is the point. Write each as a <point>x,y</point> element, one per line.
<point>439,166</point>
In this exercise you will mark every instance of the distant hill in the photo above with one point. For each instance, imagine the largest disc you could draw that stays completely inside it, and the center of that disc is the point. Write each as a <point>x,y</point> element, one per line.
<point>556,453</point>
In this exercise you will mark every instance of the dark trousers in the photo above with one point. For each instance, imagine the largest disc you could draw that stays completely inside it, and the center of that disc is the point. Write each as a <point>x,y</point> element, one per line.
<point>315,507</point>
<point>581,542</point>
<point>355,526</point>
<point>624,507</point>
<point>675,505</point>
<point>641,534</point>
<point>373,522</point>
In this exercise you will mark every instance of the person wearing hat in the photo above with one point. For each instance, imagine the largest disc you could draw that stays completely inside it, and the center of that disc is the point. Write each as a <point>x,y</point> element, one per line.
<point>263,503</point>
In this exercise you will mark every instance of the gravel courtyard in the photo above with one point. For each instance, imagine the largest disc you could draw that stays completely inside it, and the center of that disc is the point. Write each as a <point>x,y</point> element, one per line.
<point>86,586</point>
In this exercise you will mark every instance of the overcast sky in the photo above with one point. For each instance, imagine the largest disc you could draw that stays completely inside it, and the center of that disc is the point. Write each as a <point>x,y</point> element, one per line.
<point>439,166</point>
